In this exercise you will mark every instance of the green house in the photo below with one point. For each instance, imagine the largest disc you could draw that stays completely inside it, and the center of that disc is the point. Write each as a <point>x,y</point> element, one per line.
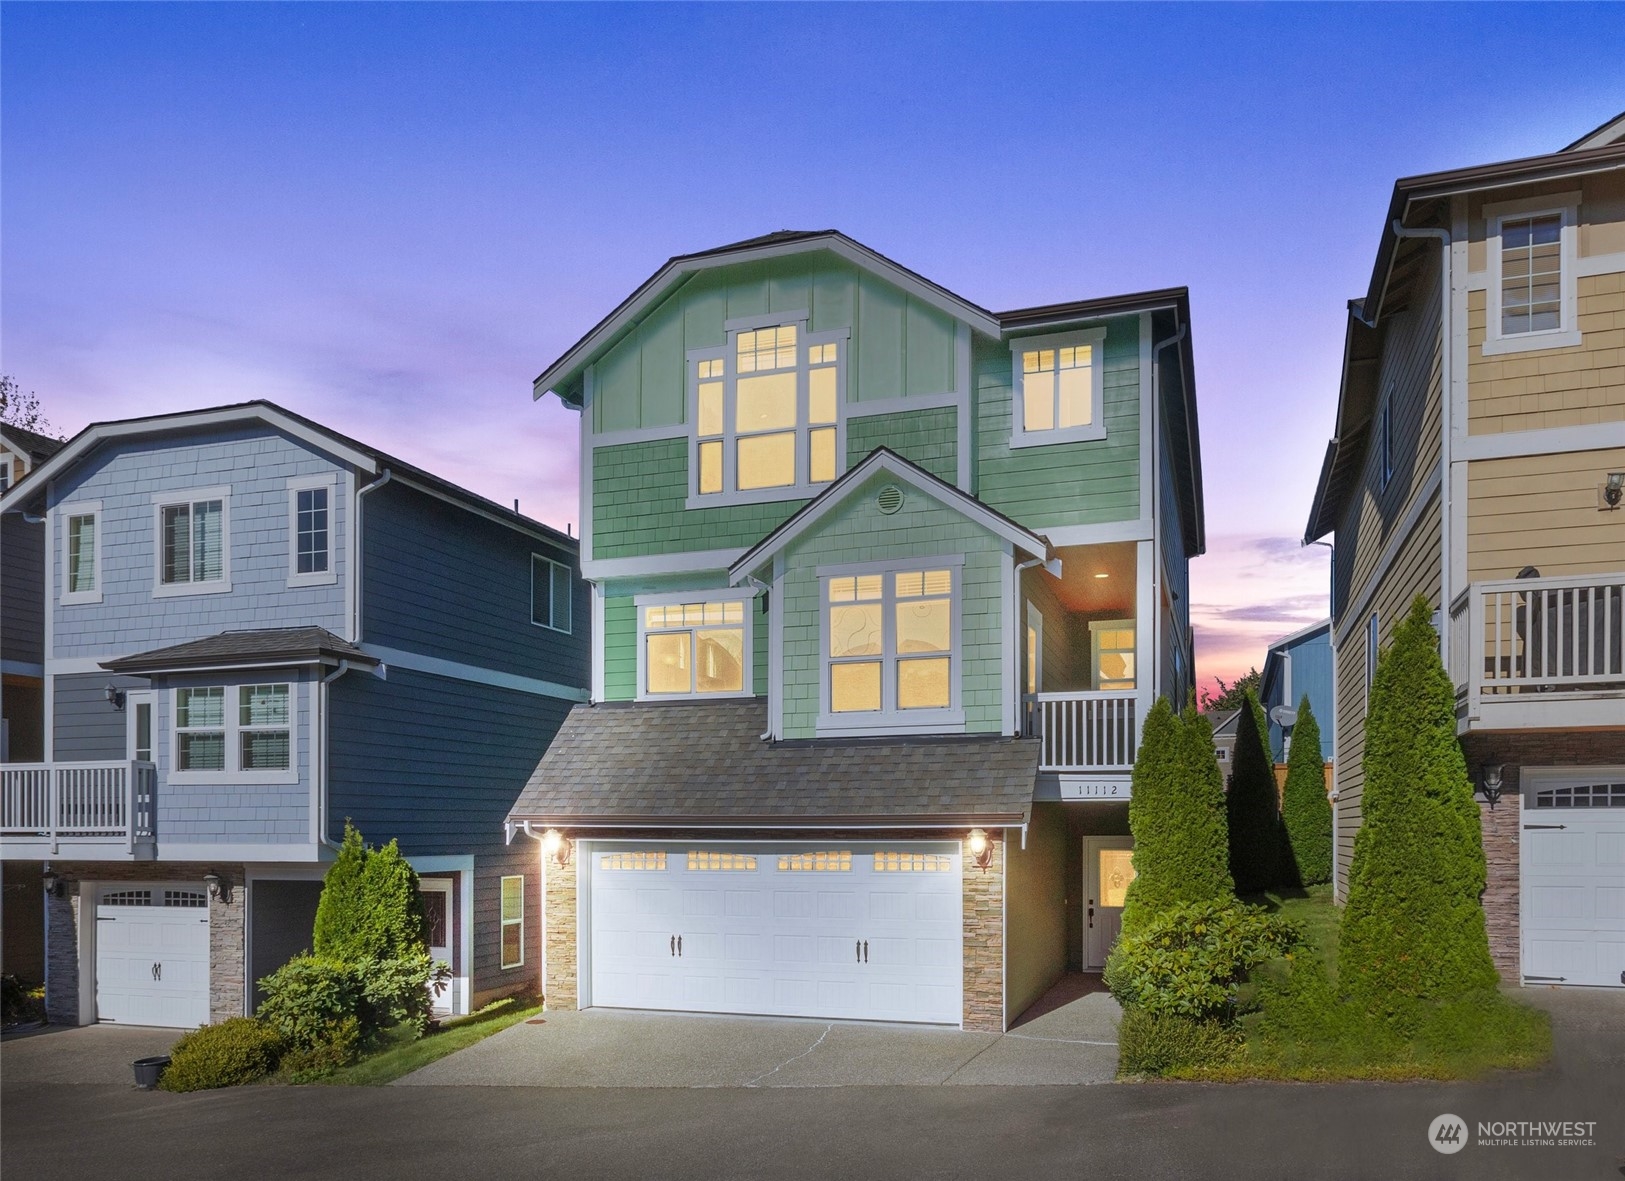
<point>883,584</point>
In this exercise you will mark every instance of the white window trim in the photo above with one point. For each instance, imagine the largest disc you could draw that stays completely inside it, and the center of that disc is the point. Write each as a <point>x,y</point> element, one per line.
<point>331,574</point>
<point>1020,436</point>
<point>1372,636</point>
<point>233,728</point>
<point>64,513</point>
<point>161,500</point>
<point>503,922</point>
<point>802,489</point>
<point>893,720</point>
<point>569,578</point>
<point>1385,442</point>
<point>744,595</point>
<point>1096,626</point>
<point>1567,333</point>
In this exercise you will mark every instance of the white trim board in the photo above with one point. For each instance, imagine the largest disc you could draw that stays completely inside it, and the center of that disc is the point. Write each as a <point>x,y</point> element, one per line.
<point>1551,441</point>
<point>434,666</point>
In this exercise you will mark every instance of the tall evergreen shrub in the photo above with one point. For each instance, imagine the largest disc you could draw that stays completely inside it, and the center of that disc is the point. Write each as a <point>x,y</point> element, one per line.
<point>1413,929</point>
<point>1306,810</point>
<point>342,905</point>
<point>370,908</point>
<point>1252,816</point>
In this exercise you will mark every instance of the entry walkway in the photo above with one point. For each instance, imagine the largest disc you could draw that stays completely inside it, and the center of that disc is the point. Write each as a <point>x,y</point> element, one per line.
<point>1068,1037</point>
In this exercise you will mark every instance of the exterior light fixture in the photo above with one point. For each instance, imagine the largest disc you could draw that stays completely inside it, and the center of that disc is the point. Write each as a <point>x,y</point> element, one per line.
<point>1490,780</point>
<point>1103,574</point>
<point>115,695</point>
<point>981,849</point>
<point>218,886</point>
<point>53,884</point>
<point>557,846</point>
<point>1614,490</point>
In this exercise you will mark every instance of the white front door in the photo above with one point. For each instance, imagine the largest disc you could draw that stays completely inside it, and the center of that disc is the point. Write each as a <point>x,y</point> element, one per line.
<point>1573,872</point>
<point>437,916</point>
<point>152,954</point>
<point>1108,868</point>
<point>853,930</point>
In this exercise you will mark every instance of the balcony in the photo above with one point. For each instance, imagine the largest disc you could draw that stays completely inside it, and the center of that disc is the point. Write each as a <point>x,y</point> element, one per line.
<point>78,809</point>
<point>1087,739</point>
<point>1539,653</point>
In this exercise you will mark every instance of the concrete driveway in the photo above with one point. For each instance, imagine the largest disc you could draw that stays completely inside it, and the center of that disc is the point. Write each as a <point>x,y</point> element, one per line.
<point>87,1054</point>
<point>1068,1038</point>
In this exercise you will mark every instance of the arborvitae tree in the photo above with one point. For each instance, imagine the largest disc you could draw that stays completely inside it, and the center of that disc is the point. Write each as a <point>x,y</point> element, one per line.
<point>1306,810</point>
<point>1251,812</point>
<point>1413,928</point>
<point>1175,812</point>
<point>370,908</point>
<point>342,904</point>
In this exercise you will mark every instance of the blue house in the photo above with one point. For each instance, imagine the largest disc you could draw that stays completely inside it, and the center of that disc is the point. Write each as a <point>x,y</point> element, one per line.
<point>1300,664</point>
<point>255,629</point>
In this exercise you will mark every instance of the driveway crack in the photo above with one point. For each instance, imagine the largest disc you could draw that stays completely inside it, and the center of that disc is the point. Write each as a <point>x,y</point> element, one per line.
<point>793,1058</point>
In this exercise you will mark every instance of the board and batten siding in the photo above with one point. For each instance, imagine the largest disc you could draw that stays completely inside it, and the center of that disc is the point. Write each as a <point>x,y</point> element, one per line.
<point>22,590</point>
<point>125,476</point>
<point>899,345</point>
<point>1062,483</point>
<point>1541,511</point>
<point>857,531</point>
<point>443,582</point>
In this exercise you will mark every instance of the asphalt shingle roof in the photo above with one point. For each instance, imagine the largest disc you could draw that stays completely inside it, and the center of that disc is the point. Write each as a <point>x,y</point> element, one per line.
<point>290,645</point>
<point>706,762</point>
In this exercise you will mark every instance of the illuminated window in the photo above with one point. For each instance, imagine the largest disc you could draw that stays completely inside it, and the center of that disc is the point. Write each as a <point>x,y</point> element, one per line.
<point>766,414</point>
<point>513,922</point>
<point>891,643</point>
<point>710,860</point>
<point>641,859</point>
<point>1113,643</point>
<point>823,861</point>
<point>1058,387</point>
<point>694,649</point>
<point>895,862</point>
<point>1116,872</point>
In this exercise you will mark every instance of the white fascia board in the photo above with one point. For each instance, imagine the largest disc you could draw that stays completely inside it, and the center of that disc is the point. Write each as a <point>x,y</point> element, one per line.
<point>692,562</point>
<point>1322,625</point>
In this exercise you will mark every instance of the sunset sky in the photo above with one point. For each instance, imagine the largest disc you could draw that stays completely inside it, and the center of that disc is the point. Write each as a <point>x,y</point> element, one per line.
<point>392,218</point>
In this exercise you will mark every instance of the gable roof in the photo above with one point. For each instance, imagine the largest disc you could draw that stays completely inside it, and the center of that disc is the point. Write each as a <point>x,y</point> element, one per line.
<point>883,459</point>
<point>368,460</point>
<point>1611,132</point>
<point>35,446</point>
<point>277,646</point>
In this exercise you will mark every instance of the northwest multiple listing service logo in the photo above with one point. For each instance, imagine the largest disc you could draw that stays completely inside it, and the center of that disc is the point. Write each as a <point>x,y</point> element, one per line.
<point>1450,1134</point>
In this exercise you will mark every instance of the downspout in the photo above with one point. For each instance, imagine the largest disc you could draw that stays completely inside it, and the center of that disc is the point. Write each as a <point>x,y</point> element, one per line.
<point>360,553</point>
<point>1446,396</point>
<point>322,728</point>
<point>1156,499</point>
<point>767,597</point>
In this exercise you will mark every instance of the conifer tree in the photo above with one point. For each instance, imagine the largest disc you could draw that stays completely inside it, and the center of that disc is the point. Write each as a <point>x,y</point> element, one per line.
<point>1306,810</point>
<point>1252,815</point>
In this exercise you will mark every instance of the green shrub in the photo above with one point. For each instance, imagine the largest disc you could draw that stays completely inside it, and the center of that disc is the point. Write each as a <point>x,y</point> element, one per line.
<point>396,992</point>
<point>1252,816</point>
<point>241,1050</point>
<point>310,995</point>
<point>1412,928</point>
<point>370,908</point>
<point>1176,813</point>
<point>1165,1043</point>
<point>342,905</point>
<point>1306,811</point>
<point>339,1044</point>
<point>21,1002</point>
<point>1189,961</point>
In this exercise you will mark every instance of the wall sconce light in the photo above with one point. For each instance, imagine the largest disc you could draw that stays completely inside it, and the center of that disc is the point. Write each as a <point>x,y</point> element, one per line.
<point>557,846</point>
<point>54,887</point>
<point>218,886</point>
<point>1490,779</point>
<point>115,695</point>
<point>1614,490</point>
<point>981,849</point>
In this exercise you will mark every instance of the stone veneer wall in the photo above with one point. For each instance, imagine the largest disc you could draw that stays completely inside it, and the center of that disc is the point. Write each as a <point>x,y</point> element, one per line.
<point>984,941</point>
<point>559,988</point>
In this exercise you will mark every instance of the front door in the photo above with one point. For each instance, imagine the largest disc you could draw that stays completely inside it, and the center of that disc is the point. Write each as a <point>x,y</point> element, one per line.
<point>437,915</point>
<point>1108,868</point>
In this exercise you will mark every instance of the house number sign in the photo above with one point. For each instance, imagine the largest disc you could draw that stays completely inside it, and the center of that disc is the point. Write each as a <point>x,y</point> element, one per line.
<point>1094,791</point>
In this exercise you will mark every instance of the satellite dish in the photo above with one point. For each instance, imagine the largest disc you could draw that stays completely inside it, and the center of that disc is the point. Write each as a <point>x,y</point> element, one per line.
<point>1284,716</point>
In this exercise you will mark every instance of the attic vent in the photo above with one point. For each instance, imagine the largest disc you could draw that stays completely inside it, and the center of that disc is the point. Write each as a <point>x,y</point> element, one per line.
<point>890,499</point>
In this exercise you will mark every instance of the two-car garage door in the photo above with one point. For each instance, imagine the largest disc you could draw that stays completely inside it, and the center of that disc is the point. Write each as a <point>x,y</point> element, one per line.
<point>864,931</point>
<point>1573,867</point>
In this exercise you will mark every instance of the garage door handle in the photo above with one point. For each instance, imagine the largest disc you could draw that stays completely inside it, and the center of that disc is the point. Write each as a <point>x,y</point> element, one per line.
<point>674,945</point>
<point>157,971</point>
<point>1529,826</point>
<point>679,947</point>
<point>857,951</point>
<point>866,951</point>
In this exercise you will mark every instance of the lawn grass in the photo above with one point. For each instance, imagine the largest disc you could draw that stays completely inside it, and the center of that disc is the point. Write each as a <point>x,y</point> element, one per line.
<point>399,1054</point>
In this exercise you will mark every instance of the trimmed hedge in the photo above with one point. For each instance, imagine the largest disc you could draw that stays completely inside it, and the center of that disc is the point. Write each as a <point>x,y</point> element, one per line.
<point>1166,1043</point>
<point>1305,810</point>
<point>241,1050</point>
<point>1189,961</point>
<point>1252,818</point>
<point>1413,928</point>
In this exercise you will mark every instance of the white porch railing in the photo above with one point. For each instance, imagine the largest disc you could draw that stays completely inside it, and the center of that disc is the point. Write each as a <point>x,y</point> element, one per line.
<point>1563,635</point>
<point>1085,731</point>
<point>53,804</point>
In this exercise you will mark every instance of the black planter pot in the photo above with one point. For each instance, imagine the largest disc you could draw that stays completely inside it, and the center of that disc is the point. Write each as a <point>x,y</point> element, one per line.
<point>148,1070</point>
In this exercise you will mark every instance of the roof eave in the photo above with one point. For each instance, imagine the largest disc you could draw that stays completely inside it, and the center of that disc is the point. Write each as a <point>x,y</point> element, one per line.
<point>801,822</point>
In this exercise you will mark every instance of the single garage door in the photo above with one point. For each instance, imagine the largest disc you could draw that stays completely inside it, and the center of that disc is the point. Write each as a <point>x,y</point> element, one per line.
<point>853,931</point>
<point>152,955</point>
<point>1573,868</point>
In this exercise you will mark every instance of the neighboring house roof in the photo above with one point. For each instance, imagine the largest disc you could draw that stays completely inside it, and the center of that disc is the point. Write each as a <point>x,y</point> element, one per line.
<point>1419,201</point>
<point>277,646</point>
<point>1224,724</point>
<point>368,459</point>
<point>705,764</point>
<point>883,459</point>
<point>1272,658</point>
<point>36,446</point>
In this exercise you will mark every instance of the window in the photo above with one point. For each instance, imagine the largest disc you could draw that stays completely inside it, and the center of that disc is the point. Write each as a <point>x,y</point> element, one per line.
<point>1385,442</point>
<point>1113,644</point>
<point>824,861</point>
<point>1370,656</point>
<point>894,862</point>
<point>766,414</point>
<point>549,593</point>
<point>705,859</point>
<point>1116,874</point>
<point>310,532</point>
<point>81,553</point>
<point>1058,388</point>
<point>241,733</point>
<point>1590,795</point>
<point>653,859</point>
<point>513,922</point>
<point>890,646</point>
<point>693,649</point>
<point>192,543</point>
<point>1531,254</point>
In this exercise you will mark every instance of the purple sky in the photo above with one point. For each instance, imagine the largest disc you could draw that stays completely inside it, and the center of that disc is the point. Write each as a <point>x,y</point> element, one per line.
<point>391,218</point>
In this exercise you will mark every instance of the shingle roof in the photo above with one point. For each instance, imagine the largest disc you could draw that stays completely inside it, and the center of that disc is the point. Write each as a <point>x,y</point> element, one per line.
<point>234,649</point>
<point>36,445</point>
<point>705,763</point>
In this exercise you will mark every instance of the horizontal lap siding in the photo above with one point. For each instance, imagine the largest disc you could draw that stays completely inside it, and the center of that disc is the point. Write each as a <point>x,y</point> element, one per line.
<point>1541,511</point>
<point>491,979</point>
<point>22,590</point>
<point>926,437</point>
<point>85,726</point>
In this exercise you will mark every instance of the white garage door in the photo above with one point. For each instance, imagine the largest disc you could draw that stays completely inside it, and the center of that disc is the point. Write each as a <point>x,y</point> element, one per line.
<point>152,955</point>
<point>855,931</point>
<point>1573,867</point>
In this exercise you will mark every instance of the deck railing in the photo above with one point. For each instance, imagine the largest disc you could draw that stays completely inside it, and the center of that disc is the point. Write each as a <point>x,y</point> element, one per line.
<point>1562,635</point>
<point>62,803</point>
<point>1083,731</point>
